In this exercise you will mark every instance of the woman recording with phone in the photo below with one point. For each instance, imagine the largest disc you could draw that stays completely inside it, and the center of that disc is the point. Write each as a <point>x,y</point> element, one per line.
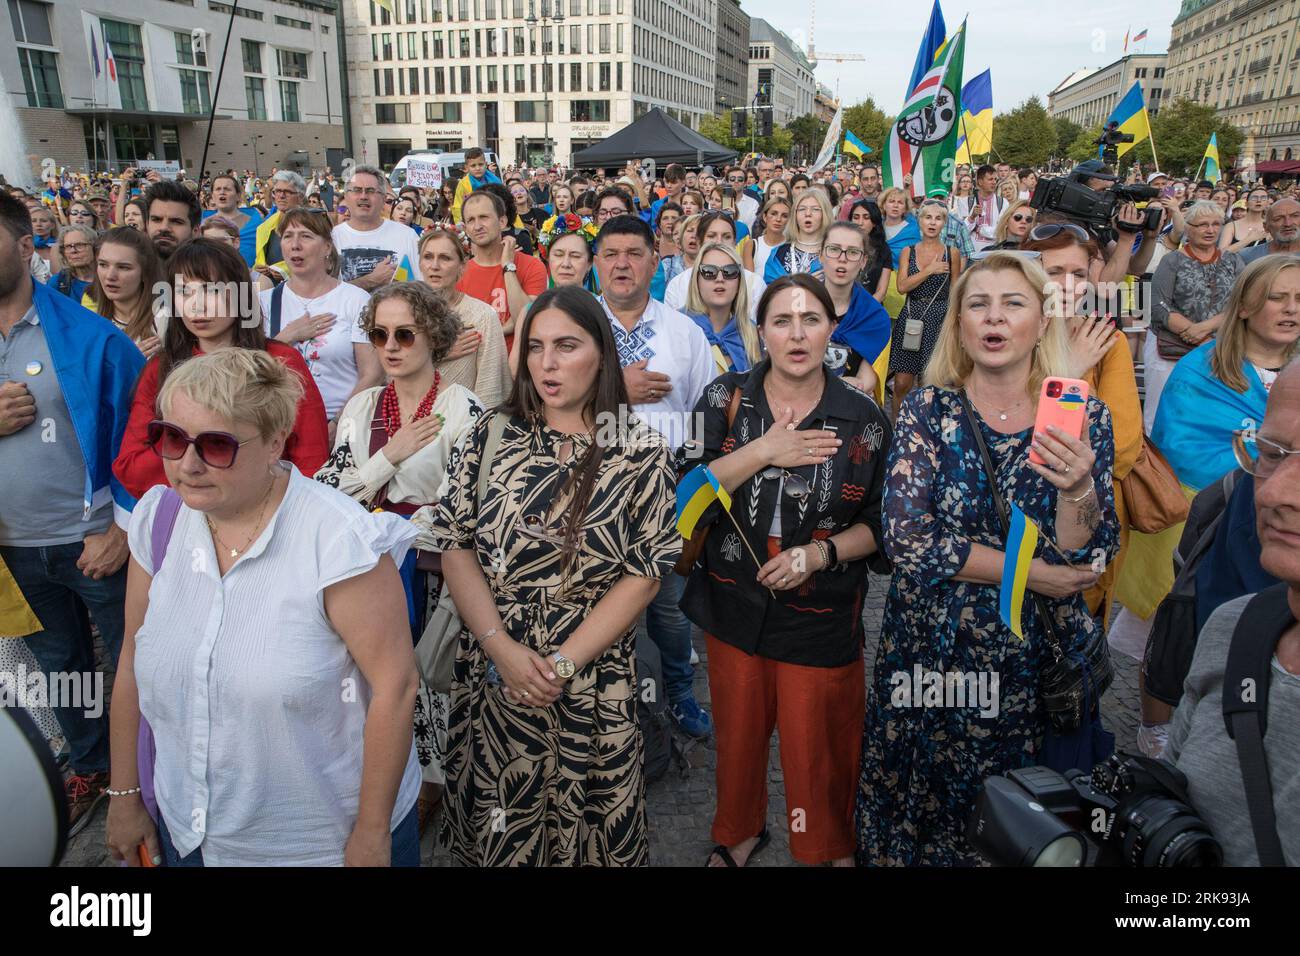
<point>922,766</point>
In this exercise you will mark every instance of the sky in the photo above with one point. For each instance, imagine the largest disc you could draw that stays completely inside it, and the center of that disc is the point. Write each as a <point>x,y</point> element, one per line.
<point>1031,45</point>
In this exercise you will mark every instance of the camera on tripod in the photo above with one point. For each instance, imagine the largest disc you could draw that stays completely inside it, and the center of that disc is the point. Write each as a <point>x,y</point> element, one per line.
<point>1109,141</point>
<point>1075,200</point>
<point>1128,811</point>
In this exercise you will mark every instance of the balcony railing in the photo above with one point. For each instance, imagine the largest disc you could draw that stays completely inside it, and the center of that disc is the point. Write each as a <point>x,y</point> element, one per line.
<point>1252,98</point>
<point>1280,129</point>
<point>1258,65</point>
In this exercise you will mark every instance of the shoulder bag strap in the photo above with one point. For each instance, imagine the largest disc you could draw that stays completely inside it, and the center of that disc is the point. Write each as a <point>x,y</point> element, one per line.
<point>164,520</point>
<point>1005,519</point>
<point>1254,640</point>
<point>496,429</point>
<point>277,303</point>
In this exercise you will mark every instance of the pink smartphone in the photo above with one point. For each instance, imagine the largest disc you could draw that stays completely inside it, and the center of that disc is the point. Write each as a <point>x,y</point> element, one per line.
<point>1062,402</point>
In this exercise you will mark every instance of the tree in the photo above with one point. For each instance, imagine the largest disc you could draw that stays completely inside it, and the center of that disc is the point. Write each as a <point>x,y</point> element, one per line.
<point>718,129</point>
<point>1026,136</point>
<point>1067,131</point>
<point>807,133</point>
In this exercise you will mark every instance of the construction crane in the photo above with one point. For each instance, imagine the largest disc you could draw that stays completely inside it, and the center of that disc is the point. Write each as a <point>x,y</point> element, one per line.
<point>813,58</point>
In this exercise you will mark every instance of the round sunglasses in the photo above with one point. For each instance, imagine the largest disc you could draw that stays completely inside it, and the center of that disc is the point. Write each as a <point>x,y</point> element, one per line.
<point>795,486</point>
<point>711,272</point>
<point>1049,229</point>
<point>215,449</point>
<point>405,337</point>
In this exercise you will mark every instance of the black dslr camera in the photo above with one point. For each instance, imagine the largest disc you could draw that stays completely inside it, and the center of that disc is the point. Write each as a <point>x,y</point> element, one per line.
<point>1129,811</point>
<point>1109,141</point>
<point>1096,210</point>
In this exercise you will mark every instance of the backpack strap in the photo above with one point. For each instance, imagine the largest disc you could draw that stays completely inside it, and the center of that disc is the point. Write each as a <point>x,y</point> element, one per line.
<point>1246,679</point>
<point>277,303</point>
<point>496,429</point>
<point>164,521</point>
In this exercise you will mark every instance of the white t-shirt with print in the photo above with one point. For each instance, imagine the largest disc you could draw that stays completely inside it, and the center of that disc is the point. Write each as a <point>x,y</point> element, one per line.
<point>332,362</point>
<point>360,252</point>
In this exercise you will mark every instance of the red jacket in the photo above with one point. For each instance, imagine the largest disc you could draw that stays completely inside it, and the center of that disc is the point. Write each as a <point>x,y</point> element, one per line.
<point>139,468</point>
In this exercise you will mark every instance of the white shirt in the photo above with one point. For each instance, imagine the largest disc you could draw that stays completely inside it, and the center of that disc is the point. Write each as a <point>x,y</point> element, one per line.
<point>678,348</point>
<point>258,709</point>
<point>680,286</point>
<point>747,209</point>
<point>361,251</point>
<point>761,251</point>
<point>330,357</point>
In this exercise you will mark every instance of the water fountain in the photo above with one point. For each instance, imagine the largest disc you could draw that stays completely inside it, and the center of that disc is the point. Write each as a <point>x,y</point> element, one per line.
<point>15,164</point>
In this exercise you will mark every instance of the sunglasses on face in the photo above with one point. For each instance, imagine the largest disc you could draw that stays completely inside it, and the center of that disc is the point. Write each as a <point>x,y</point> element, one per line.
<point>378,337</point>
<point>728,272</point>
<point>215,449</point>
<point>1019,218</point>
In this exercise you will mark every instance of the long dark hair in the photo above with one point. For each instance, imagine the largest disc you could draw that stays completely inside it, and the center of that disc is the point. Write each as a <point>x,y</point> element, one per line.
<point>141,325</point>
<point>607,397</point>
<point>209,261</point>
<point>877,246</point>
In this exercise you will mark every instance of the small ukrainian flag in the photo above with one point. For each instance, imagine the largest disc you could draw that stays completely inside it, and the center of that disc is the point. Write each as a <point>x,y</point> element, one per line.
<point>403,273</point>
<point>696,492</point>
<point>1022,539</point>
<point>855,146</point>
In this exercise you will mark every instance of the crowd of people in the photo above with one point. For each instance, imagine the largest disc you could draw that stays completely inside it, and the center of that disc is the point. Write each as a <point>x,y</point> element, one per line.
<point>259,436</point>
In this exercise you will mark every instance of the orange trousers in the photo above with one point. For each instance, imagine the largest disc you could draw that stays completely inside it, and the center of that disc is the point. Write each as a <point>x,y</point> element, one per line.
<point>818,712</point>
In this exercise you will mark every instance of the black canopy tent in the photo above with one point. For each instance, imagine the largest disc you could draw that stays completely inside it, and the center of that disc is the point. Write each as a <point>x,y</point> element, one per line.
<point>654,136</point>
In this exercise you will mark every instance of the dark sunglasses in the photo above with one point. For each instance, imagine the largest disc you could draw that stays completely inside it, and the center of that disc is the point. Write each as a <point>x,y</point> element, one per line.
<point>728,272</point>
<point>1049,229</point>
<point>379,337</point>
<point>1019,218</point>
<point>796,486</point>
<point>215,449</point>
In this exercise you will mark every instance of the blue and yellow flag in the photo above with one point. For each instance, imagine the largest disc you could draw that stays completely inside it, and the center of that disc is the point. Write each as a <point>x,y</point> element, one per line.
<point>695,492</point>
<point>932,44</point>
<point>855,146</point>
<point>1022,539</point>
<point>403,273</point>
<point>1131,114</point>
<point>975,131</point>
<point>1212,160</point>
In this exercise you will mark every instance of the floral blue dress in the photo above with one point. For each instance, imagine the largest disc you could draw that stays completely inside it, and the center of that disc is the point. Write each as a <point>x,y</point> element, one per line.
<point>924,756</point>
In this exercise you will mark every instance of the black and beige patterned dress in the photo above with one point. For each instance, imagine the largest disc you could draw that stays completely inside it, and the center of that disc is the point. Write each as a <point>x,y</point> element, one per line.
<point>559,785</point>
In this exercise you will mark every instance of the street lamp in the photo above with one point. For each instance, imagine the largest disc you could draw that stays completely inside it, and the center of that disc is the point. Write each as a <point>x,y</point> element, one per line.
<point>556,17</point>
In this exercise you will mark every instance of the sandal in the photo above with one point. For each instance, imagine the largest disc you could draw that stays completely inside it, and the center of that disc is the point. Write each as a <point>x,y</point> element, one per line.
<point>724,854</point>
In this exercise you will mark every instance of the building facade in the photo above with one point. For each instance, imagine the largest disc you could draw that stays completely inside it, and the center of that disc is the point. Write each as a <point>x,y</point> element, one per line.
<point>279,102</point>
<point>779,73</point>
<point>825,104</point>
<point>1088,96</point>
<point>525,78</point>
<point>732,58</point>
<point>1243,58</point>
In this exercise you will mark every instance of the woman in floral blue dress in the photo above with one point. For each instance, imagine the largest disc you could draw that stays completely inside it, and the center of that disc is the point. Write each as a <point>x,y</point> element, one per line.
<point>923,761</point>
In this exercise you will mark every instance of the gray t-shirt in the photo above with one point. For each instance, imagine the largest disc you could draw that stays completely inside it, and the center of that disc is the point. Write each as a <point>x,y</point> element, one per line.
<point>1251,253</point>
<point>1200,746</point>
<point>42,469</point>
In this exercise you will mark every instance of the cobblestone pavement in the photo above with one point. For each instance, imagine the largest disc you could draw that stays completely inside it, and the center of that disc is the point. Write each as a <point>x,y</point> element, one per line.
<point>680,807</point>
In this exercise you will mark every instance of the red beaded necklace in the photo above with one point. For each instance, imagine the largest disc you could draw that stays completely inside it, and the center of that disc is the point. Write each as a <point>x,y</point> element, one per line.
<point>392,411</point>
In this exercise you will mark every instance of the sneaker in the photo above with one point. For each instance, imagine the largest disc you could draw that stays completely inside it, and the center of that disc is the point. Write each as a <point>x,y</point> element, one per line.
<point>84,792</point>
<point>1152,739</point>
<point>695,657</point>
<point>692,720</point>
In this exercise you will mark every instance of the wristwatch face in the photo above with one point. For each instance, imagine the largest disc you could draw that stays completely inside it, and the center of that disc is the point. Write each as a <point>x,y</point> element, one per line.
<point>563,666</point>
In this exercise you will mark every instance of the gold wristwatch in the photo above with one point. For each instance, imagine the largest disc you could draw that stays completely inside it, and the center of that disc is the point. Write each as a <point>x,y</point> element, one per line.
<point>564,667</point>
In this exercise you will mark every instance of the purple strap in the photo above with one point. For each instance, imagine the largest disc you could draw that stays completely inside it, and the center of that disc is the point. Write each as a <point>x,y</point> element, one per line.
<point>160,535</point>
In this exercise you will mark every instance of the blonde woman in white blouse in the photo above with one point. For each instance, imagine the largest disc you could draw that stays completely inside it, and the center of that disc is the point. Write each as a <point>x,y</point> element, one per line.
<point>477,359</point>
<point>267,651</point>
<point>391,452</point>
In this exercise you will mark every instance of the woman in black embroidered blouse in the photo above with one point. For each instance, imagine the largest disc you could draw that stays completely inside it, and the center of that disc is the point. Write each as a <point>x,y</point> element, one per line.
<point>804,463</point>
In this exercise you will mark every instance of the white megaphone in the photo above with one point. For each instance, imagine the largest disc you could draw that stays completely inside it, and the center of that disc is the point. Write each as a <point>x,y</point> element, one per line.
<point>34,822</point>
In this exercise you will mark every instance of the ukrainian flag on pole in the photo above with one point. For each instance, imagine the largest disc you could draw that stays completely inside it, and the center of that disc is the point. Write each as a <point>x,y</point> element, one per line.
<point>1131,114</point>
<point>976,117</point>
<point>1211,160</point>
<point>854,145</point>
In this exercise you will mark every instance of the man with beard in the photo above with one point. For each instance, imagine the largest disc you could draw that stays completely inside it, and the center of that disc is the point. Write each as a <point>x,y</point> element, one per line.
<point>498,274</point>
<point>173,215</point>
<point>1282,222</point>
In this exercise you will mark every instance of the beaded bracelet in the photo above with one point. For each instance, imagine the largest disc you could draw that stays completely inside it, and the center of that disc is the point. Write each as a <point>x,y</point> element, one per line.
<point>121,793</point>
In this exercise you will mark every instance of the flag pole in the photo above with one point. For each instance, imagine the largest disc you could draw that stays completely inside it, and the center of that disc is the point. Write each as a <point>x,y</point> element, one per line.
<point>216,93</point>
<point>1151,134</point>
<point>748,547</point>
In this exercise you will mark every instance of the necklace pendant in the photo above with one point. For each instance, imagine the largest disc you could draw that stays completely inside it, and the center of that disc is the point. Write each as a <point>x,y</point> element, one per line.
<point>234,553</point>
<point>1002,417</point>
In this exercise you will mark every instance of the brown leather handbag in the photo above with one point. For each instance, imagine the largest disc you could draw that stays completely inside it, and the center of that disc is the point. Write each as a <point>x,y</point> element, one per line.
<point>1153,496</point>
<point>692,548</point>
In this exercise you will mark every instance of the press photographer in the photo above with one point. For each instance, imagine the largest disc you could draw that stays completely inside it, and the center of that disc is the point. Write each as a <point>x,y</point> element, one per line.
<point>1110,140</point>
<point>1232,794</point>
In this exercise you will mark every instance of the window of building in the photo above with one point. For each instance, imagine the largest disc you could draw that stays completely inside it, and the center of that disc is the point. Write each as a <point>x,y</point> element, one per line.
<point>386,46</point>
<point>478,79</point>
<point>442,112</point>
<point>291,22</point>
<point>195,95</point>
<point>389,114</point>
<point>412,39</point>
<point>464,44</point>
<point>216,7</point>
<point>575,77</point>
<point>492,79</point>
<point>413,80</point>
<point>619,81</point>
<point>255,97</point>
<point>293,63</point>
<point>533,111</point>
<point>604,77</point>
<point>289,102</point>
<point>589,111</point>
<point>252,55</point>
<point>464,79</point>
<point>519,77</point>
<point>439,81</point>
<point>604,38</point>
<point>128,51</point>
<point>40,78</point>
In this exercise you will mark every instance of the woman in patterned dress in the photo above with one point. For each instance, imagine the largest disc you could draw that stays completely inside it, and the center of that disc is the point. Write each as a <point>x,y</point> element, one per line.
<point>926,272</point>
<point>922,765</point>
<point>391,451</point>
<point>550,569</point>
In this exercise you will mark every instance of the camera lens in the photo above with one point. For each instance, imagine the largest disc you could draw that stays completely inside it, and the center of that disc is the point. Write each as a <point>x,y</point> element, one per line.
<point>1156,831</point>
<point>1054,390</point>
